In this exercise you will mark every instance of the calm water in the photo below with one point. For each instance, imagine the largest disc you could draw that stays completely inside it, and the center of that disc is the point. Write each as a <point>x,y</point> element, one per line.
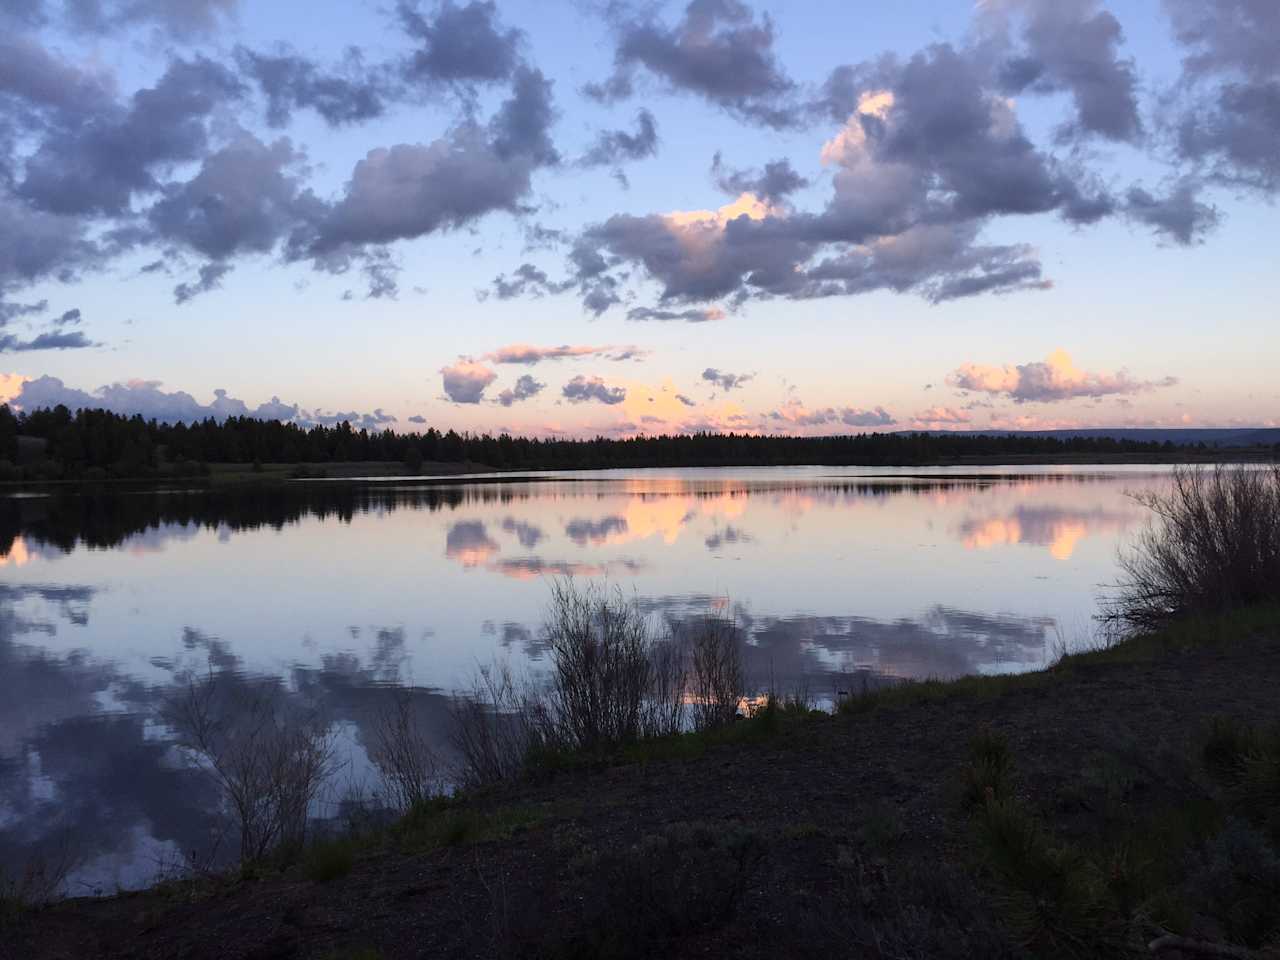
<point>108,606</point>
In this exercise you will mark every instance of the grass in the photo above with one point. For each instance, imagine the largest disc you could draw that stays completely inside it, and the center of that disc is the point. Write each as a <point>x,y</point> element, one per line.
<point>1206,861</point>
<point>454,822</point>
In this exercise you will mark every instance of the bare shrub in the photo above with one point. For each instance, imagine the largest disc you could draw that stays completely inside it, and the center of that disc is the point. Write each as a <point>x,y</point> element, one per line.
<point>39,881</point>
<point>495,727</point>
<point>1215,546</point>
<point>601,650</point>
<point>408,766</point>
<point>719,683</point>
<point>613,681</point>
<point>269,761</point>
<point>668,683</point>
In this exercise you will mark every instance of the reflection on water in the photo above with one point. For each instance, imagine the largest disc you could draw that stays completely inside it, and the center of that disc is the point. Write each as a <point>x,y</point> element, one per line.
<point>334,596</point>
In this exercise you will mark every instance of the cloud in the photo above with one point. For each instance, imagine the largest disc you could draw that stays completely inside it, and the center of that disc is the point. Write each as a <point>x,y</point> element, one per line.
<point>244,198</point>
<point>796,414</point>
<point>1226,116</point>
<point>1180,215</point>
<point>526,279</point>
<point>69,317</point>
<point>146,397</point>
<point>875,417</point>
<point>353,94</point>
<point>718,50</point>
<point>211,275</point>
<point>525,353</point>
<point>1071,46</point>
<point>412,190</point>
<point>525,387</point>
<point>465,381</point>
<point>418,419</point>
<point>181,19</point>
<point>1053,379</point>
<point>618,146</point>
<point>45,341</point>
<point>13,311</point>
<point>774,183</point>
<point>686,400</point>
<point>11,386</point>
<point>460,43</point>
<point>97,166</point>
<point>929,152</point>
<point>726,381</point>
<point>932,416</point>
<point>691,315</point>
<point>582,389</point>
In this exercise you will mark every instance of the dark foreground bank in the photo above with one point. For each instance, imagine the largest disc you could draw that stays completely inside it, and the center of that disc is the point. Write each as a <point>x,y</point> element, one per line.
<point>1124,803</point>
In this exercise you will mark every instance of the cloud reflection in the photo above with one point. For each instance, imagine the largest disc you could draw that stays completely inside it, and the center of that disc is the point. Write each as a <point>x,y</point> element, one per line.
<point>1059,529</point>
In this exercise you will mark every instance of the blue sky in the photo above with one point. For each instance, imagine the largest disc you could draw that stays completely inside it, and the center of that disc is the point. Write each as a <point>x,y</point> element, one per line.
<point>1094,249</point>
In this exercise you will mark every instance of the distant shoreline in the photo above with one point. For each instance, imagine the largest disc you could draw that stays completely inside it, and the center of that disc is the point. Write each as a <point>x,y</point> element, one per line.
<point>224,476</point>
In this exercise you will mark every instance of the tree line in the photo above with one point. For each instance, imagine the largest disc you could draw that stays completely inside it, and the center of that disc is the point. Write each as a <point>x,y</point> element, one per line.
<point>96,444</point>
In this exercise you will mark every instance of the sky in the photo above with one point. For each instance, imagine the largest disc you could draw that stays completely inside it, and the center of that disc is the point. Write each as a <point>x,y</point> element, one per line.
<point>580,218</point>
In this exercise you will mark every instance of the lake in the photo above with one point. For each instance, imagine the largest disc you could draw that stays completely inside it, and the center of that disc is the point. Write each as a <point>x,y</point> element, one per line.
<point>341,594</point>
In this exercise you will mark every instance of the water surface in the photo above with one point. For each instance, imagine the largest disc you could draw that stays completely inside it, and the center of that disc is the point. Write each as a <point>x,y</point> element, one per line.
<point>110,605</point>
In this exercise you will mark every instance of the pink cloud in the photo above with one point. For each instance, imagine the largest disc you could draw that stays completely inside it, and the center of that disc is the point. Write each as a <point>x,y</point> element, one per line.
<point>1052,379</point>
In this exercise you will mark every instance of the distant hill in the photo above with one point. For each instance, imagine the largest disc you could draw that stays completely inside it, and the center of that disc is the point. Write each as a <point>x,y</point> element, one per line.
<point>1209,436</point>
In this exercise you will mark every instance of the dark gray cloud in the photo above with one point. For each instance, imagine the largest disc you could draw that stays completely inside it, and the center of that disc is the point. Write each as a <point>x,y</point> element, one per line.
<point>350,94</point>
<point>418,419</point>
<point>10,310</point>
<point>929,154</point>
<point>775,182</point>
<point>245,197</point>
<point>686,400</point>
<point>619,146</point>
<point>691,315</point>
<point>725,380</point>
<point>36,245</point>
<point>68,318</point>
<point>1073,46</point>
<point>181,19</point>
<point>210,278</point>
<point>582,389</point>
<point>1180,215</point>
<point>717,50</point>
<point>460,43</point>
<point>410,190</point>
<point>100,164</point>
<point>1227,112</point>
<point>526,280</point>
<point>876,417</point>
<point>45,341</point>
<point>525,387</point>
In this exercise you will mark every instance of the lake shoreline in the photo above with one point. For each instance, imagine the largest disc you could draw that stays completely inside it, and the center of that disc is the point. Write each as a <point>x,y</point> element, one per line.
<point>811,835</point>
<point>224,476</point>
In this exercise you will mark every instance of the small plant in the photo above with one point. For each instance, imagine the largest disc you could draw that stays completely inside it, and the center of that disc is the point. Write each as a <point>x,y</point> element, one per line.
<point>328,860</point>
<point>990,766</point>
<point>1053,898</point>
